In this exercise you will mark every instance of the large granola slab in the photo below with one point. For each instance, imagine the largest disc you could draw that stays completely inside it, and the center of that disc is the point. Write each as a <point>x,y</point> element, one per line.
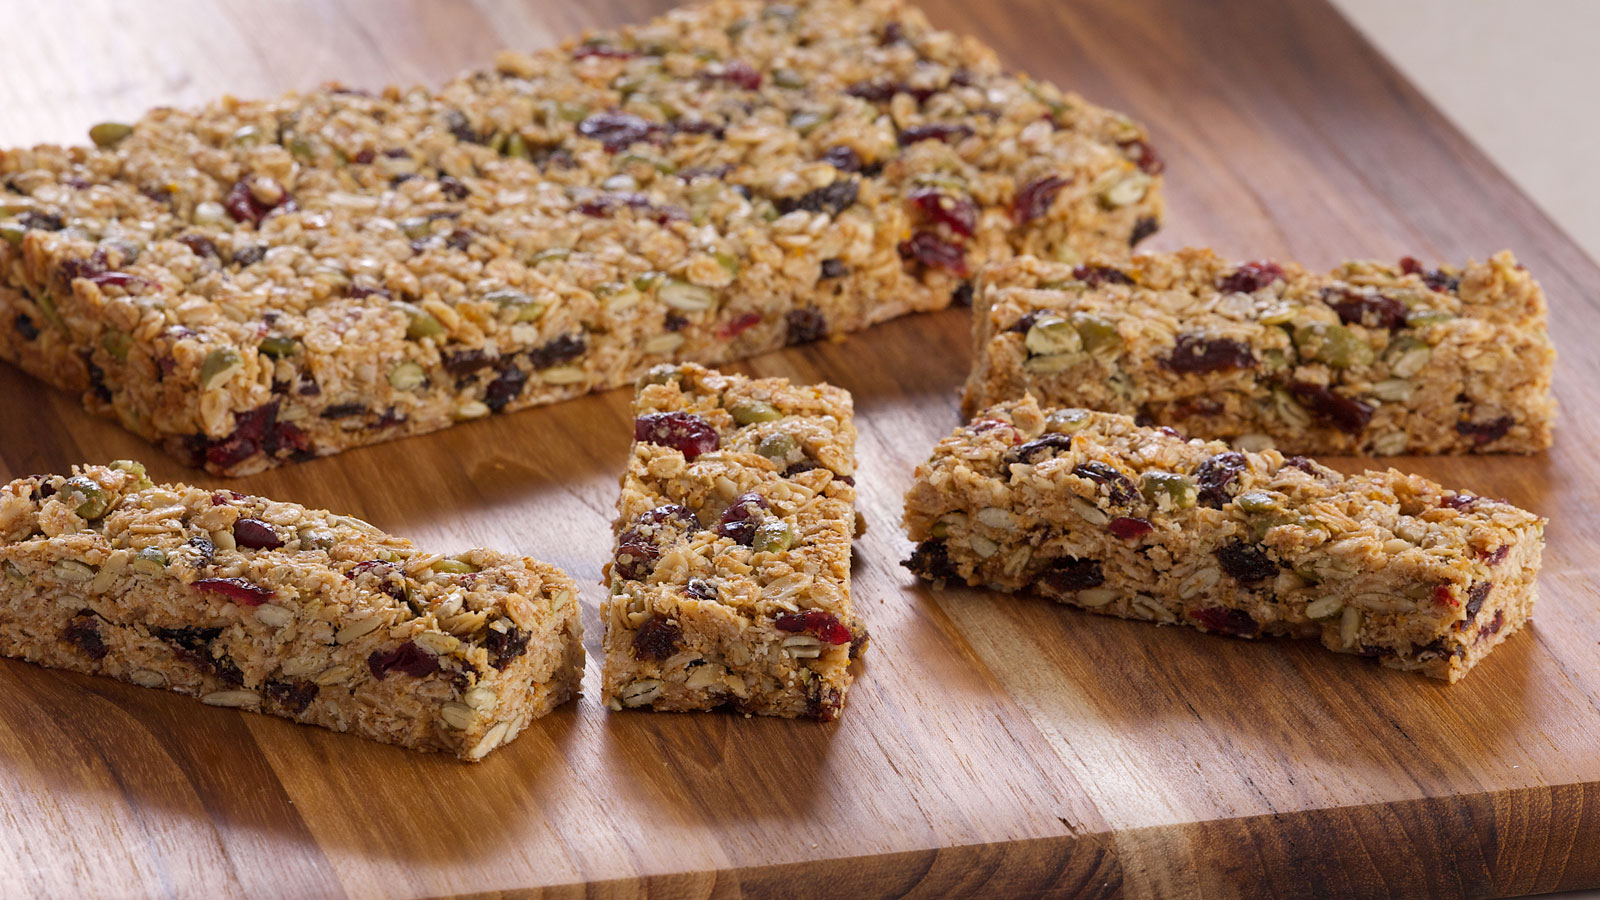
<point>730,582</point>
<point>256,604</point>
<point>1369,358</point>
<point>1097,512</point>
<point>268,280</point>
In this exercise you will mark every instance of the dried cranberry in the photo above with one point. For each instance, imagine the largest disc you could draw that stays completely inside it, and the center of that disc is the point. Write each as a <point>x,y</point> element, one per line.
<point>1143,228</point>
<point>1459,501</point>
<point>738,325</point>
<point>235,589</point>
<point>256,535</point>
<point>293,696</point>
<point>657,638</point>
<point>936,253</point>
<point>364,157</point>
<point>604,51</point>
<point>1247,564</point>
<point>25,327</point>
<point>1042,445</point>
<point>1435,279</point>
<point>737,72</point>
<point>1194,353</point>
<point>931,560</point>
<point>823,701</point>
<point>1496,623</point>
<point>408,658</point>
<point>1035,198</point>
<point>935,131</point>
<point>1119,488</point>
<point>833,199</point>
<point>739,521</point>
<point>1144,156</point>
<point>687,433</point>
<point>1250,277</point>
<point>832,267</point>
<point>200,245</point>
<point>1070,574</point>
<point>639,546</point>
<point>1486,432</point>
<point>1444,596</point>
<point>820,624</point>
<point>242,205</point>
<point>1344,413</point>
<point>558,350</point>
<point>1222,620</point>
<point>84,633</point>
<point>1475,599</point>
<point>1497,556</point>
<point>958,213</point>
<point>842,158</point>
<point>505,646</point>
<point>250,431</point>
<point>1130,527</point>
<point>1369,309</point>
<point>805,325</point>
<point>1095,275</point>
<point>617,130</point>
<point>465,362</point>
<point>506,387</point>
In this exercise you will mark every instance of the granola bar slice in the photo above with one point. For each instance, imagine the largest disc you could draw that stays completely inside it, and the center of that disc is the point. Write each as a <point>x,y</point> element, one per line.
<point>1095,511</point>
<point>260,281</point>
<point>268,606</point>
<point>1368,359</point>
<point>730,584</point>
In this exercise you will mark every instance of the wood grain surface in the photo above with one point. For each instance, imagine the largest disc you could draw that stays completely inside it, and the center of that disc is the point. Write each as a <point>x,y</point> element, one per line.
<point>993,745</point>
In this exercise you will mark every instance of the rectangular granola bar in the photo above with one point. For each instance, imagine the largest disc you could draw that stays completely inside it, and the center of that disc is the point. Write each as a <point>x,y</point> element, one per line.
<point>1097,512</point>
<point>261,281</point>
<point>267,606</point>
<point>730,584</point>
<point>1368,359</point>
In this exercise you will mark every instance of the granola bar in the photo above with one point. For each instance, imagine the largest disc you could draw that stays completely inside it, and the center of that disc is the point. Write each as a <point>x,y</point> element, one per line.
<point>1368,359</point>
<point>269,280</point>
<point>730,584</point>
<point>1095,511</point>
<point>256,604</point>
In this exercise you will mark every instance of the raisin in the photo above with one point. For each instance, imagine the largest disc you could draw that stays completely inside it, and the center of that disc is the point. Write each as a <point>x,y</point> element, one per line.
<point>639,547</point>
<point>936,253</point>
<point>1371,310</point>
<point>453,187</point>
<point>465,362</point>
<point>1498,556</point>
<point>877,91</point>
<point>617,130</point>
<point>84,633</point>
<point>934,131</point>
<point>739,521</point>
<point>505,388</point>
<point>1035,198</point>
<point>1459,501</point>
<point>1250,277</point>
<point>823,701</point>
<point>739,73</point>
<point>558,350</point>
<point>701,589</point>
<point>688,434</point>
<point>1435,279</point>
<point>820,624</point>
<point>293,696</point>
<point>1129,527</point>
<point>1096,275</point>
<point>1119,488</point>
<point>1042,445</point>
<point>505,646</point>
<point>34,220</point>
<point>204,548</point>
<point>190,639</point>
<point>1143,228</point>
<point>408,658</point>
<point>657,638</point>
<point>344,411</point>
<point>1344,413</point>
<point>931,560</point>
<point>461,127</point>
<point>1144,156</point>
<point>25,327</point>
<point>1196,354</point>
<point>1222,620</point>
<point>959,214</point>
<point>242,205</point>
<point>201,246</point>
<point>1475,599</point>
<point>832,267</point>
<point>962,295</point>
<point>842,158</point>
<point>237,589</point>
<point>833,199</point>
<point>1486,432</point>
<point>1070,574</point>
<point>1246,563</point>
<point>805,325</point>
<point>893,33</point>
<point>256,534</point>
<point>249,256</point>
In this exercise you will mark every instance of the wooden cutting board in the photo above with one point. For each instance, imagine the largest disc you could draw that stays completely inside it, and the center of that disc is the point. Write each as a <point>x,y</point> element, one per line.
<point>992,745</point>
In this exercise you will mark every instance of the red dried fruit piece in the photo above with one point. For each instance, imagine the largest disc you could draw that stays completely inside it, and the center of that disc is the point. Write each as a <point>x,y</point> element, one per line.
<point>1130,527</point>
<point>688,434</point>
<point>242,205</point>
<point>1435,279</point>
<point>1444,596</point>
<point>1035,198</point>
<point>935,131</point>
<point>84,633</point>
<point>1495,624</point>
<point>617,130</point>
<point>1096,275</point>
<point>1196,354</point>
<point>737,72</point>
<point>1475,599</point>
<point>1247,564</point>
<point>820,624</point>
<point>1459,501</point>
<point>1250,277</point>
<point>256,535</point>
<point>657,638</point>
<point>958,213</point>
<point>639,547</point>
<point>1369,309</point>
<point>235,589</point>
<point>408,658</point>
<point>1144,156</point>
<point>1344,413</point>
<point>936,253</point>
<point>739,521</point>
<point>1222,620</point>
<point>738,325</point>
<point>1496,557</point>
<point>1486,432</point>
<point>251,429</point>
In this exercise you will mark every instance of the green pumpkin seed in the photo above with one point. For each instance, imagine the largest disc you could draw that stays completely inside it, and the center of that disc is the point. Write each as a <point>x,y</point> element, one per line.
<point>13,232</point>
<point>453,567</point>
<point>549,253</point>
<point>407,377</point>
<point>109,134</point>
<point>1066,421</point>
<point>1097,333</point>
<point>277,346</point>
<point>773,537</point>
<point>422,324</point>
<point>1257,502</point>
<point>1168,490</point>
<point>1333,344</point>
<point>150,561</point>
<point>682,295</point>
<point>753,411</point>
<point>527,309</point>
<point>90,499</point>
<point>116,343</point>
<point>219,366</point>
<point>777,447</point>
<point>1050,335</point>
